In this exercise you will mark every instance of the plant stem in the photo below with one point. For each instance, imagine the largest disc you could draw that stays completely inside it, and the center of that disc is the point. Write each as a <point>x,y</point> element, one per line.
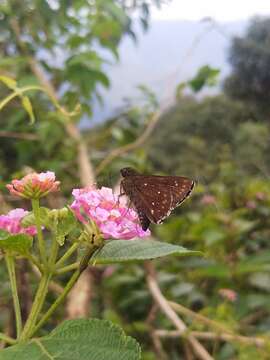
<point>12,276</point>
<point>7,339</point>
<point>82,266</point>
<point>69,252</point>
<point>35,261</point>
<point>41,243</point>
<point>54,252</point>
<point>67,268</point>
<point>36,306</point>
<point>57,302</point>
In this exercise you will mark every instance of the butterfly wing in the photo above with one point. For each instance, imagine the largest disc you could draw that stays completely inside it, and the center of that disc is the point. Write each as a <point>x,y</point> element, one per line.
<point>127,187</point>
<point>157,196</point>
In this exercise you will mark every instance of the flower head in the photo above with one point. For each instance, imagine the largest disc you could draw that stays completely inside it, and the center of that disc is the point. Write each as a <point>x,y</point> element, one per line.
<point>208,199</point>
<point>250,204</point>
<point>228,294</point>
<point>260,195</point>
<point>111,215</point>
<point>12,223</point>
<point>34,185</point>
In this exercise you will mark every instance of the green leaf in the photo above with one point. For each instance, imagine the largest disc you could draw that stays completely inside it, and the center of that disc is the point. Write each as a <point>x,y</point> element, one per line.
<point>116,251</point>
<point>19,243</point>
<point>205,76</point>
<point>61,222</point>
<point>180,89</point>
<point>65,222</point>
<point>80,339</point>
<point>29,219</point>
<point>28,108</point>
<point>8,81</point>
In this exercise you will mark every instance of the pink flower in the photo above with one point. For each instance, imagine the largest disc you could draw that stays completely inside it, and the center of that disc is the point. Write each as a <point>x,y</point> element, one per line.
<point>261,195</point>
<point>208,199</point>
<point>250,204</point>
<point>111,215</point>
<point>34,186</point>
<point>12,223</point>
<point>228,294</point>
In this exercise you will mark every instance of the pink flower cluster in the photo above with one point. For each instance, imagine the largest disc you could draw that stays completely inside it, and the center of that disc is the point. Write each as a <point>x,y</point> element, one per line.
<point>34,186</point>
<point>111,215</point>
<point>228,294</point>
<point>12,223</point>
<point>208,199</point>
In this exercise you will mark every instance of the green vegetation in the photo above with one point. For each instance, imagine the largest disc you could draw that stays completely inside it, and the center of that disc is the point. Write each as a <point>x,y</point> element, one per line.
<point>222,297</point>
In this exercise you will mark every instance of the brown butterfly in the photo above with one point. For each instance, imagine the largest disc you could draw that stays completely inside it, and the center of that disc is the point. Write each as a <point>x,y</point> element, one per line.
<point>154,197</point>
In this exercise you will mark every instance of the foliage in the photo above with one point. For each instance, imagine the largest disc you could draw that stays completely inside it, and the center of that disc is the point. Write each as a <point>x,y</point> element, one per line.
<point>72,42</point>
<point>206,76</point>
<point>231,227</point>
<point>220,142</point>
<point>118,251</point>
<point>250,61</point>
<point>42,250</point>
<point>79,339</point>
<point>217,132</point>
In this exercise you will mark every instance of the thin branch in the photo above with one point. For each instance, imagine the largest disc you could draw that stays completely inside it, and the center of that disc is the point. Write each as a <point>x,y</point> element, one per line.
<point>157,344</point>
<point>213,336</point>
<point>16,135</point>
<point>132,146</point>
<point>7,339</point>
<point>67,268</point>
<point>86,171</point>
<point>10,262</point>
<point>53,286</point>
<point>155,291</point>
<point>165,104</point>
<point>212,323</point>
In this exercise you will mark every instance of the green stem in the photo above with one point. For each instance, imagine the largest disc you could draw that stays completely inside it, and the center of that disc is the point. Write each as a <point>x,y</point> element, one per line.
<point>7,339</point>
<point>82,266</point>
<point>12,276</point>
<point>54,252</point>
<point>41,243</point>
<point>35,261</point>
<point>67,268</point>
<point>67,255</point>
<point>57,302</point>
<point>36,306</point>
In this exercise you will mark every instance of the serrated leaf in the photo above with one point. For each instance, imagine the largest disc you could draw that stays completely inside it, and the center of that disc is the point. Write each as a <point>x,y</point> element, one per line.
<point>116,251</point>
<point>26,103</point>
<point>19,243</point>
<point>64,226</point>
<point>61,222</point>
<point>80,339</point>
<point>8,81</point>
<point>29,219</point>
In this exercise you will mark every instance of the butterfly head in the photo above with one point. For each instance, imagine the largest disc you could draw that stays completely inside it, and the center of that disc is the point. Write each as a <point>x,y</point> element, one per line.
<point>128,171</point>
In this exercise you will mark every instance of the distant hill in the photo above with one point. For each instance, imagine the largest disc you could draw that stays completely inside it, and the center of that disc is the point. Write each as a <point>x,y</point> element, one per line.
<point>168,53</point>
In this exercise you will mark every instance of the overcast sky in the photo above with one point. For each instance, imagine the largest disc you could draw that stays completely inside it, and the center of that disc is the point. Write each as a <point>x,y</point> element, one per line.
<point>221,10</point>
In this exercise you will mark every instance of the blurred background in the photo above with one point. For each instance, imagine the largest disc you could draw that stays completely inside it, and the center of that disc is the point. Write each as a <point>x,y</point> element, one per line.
<point>167,87</point>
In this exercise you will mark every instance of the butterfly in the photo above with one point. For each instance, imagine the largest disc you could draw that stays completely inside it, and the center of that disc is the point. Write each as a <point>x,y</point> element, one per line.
<point>154,197</point>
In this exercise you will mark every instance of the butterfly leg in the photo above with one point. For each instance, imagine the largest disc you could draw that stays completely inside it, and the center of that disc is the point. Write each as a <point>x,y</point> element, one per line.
<point>122,193</point>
